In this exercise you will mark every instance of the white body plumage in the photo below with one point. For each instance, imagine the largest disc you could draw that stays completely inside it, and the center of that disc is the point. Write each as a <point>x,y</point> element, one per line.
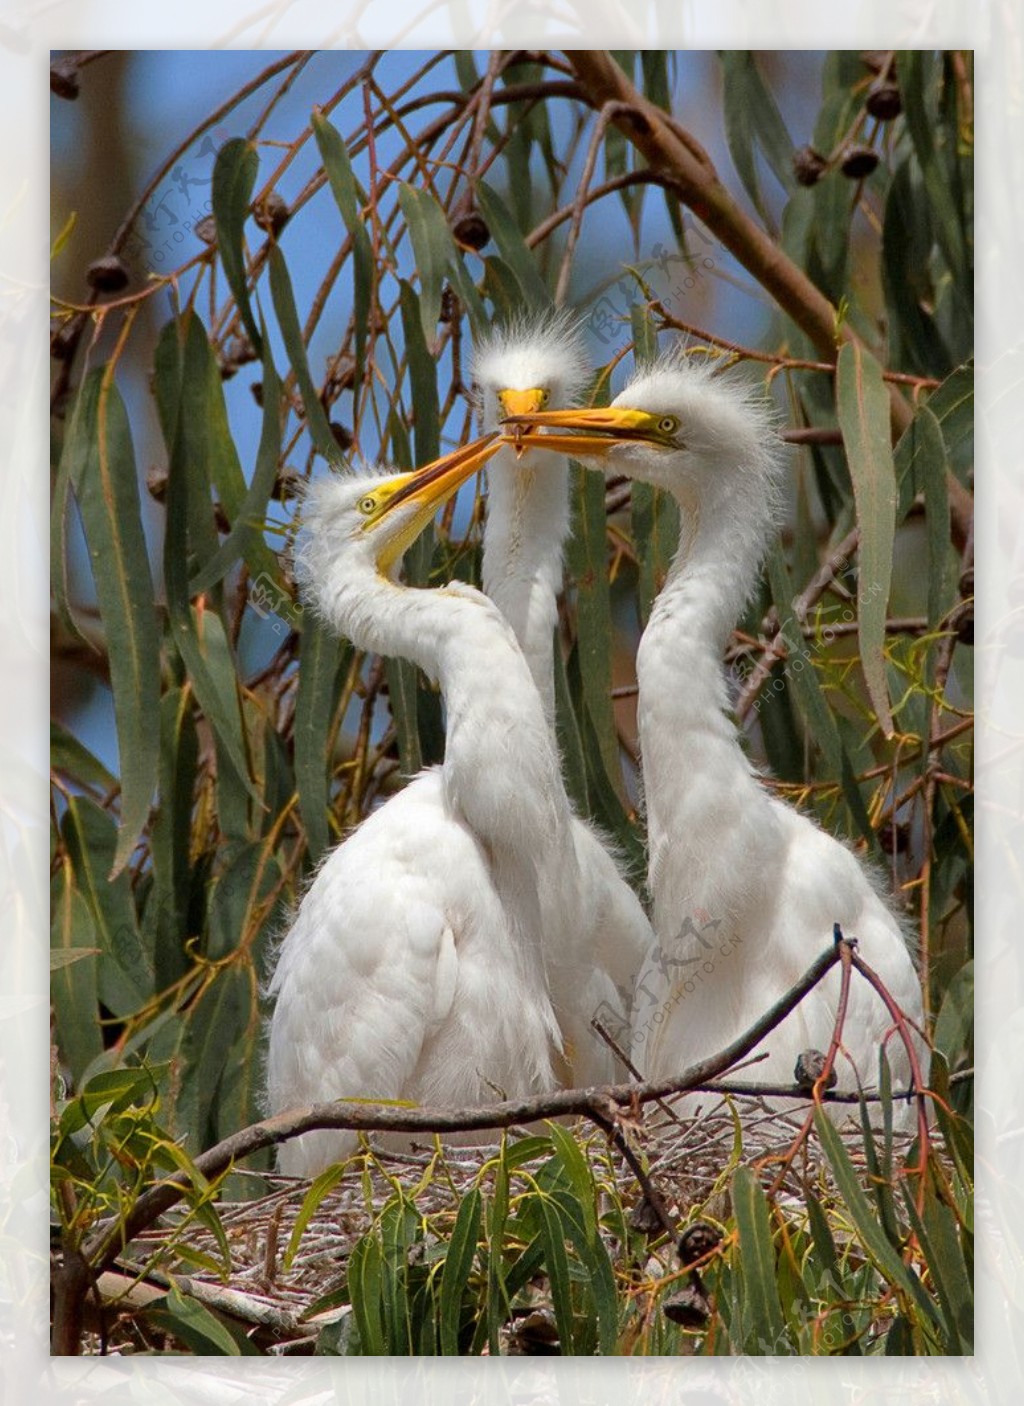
<point>596,934</point>
<point>414,968</point>
<point>745,888</point>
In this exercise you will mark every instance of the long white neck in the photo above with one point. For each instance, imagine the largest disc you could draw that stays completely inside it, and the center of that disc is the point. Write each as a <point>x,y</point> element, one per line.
<point>501,771</point>
<point>527,524</point>
<point>696,776</point>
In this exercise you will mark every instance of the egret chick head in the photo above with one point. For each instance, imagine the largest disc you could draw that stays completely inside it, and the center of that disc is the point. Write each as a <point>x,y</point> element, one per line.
<point>358,523</point>
<point>679,425</point>
<point>694,428</point>
<point>531,363</point>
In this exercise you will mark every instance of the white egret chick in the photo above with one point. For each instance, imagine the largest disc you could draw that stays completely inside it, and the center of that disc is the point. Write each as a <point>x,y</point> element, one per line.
<point>746,888</point>
<point>414,967</point>
<point>596,934</point>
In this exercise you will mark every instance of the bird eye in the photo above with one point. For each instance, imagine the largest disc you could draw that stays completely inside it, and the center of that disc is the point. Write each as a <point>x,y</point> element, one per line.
<point>543,397</point>
<point>367,504</point>
<point>668,424</point>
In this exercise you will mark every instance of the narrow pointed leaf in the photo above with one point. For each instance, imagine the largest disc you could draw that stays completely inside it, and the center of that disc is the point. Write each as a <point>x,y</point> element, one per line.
<point>321,662</point>
<point>125,970</point>
<point>68,754</point>
<point>234,176</point>
<point>458,1265</point>
<point>918,77</point>
<point>171,835</point>
<point>348,197</point>
<point>288,319</point>
<point>556,1261</point>
<point>753,122</point>
<point>811,698</point>
<point>192,1323</point>
<point>74,994</point>
<point>862,404</point>
<point>935,468</point>
<point>588,551</point>
<point>875,1242</point>
<point>915,342</point>
<point>218,702</point>
<point>432,245</point>
<point>513,247</point>
<point>245,538</point>
<point>766,1331</point>
<point>107,489</point>
<point>422,377</point>
<point>79,436</point>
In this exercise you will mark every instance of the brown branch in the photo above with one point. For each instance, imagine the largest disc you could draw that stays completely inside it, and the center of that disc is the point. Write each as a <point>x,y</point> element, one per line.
<point>676,155</point>
<point>110,1237</point>
<point>784,363</point>
<point>821,1082</point>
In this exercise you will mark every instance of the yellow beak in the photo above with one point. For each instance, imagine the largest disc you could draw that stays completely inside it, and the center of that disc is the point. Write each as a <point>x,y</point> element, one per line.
<point>435,483</point>
<point>596,431</point>
<point>428,488</point>
<point>522,402</point>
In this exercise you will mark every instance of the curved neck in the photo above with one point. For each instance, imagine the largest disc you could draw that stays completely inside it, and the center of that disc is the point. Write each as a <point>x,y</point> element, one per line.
<point>690,750</point>
<point>527,524</point>
<point>501,771</point>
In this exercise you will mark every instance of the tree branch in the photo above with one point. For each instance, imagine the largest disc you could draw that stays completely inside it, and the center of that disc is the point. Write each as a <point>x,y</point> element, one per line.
<point>111,1237</point>
<point>678,157</point>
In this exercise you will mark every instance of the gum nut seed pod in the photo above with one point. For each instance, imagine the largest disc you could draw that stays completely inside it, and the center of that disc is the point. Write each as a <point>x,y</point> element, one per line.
<point>884,101</point>
<point>808,165</point>
<point>107,275</point>
<point>858,160</point>
<point>471,229</point>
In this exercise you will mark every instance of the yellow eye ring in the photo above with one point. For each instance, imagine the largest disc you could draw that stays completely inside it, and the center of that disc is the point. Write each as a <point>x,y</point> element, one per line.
<point>368,505</point>
<point>668,424</point>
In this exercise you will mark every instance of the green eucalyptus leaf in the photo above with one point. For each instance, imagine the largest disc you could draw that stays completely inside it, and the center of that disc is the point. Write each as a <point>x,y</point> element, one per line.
<point>863,408</point>
<point>234,177</point>
<point>105,482</point>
